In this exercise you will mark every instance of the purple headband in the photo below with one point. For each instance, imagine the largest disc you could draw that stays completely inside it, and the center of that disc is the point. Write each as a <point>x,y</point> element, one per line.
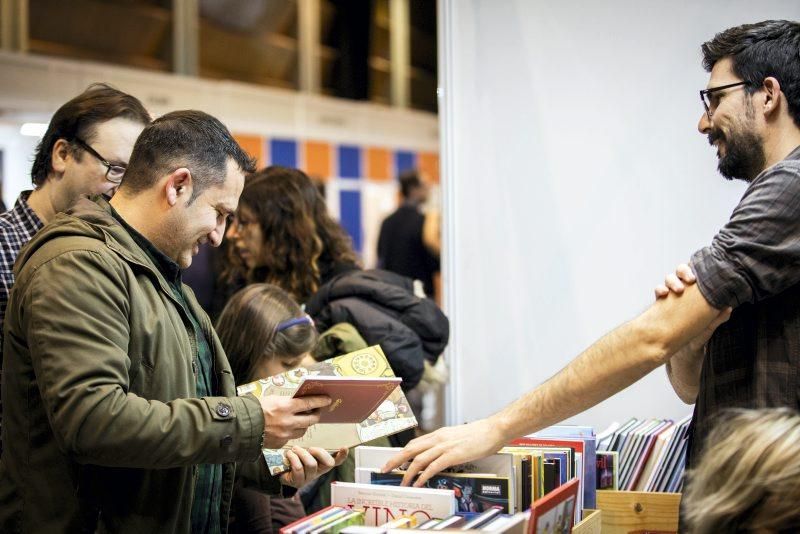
<point>305,319</point>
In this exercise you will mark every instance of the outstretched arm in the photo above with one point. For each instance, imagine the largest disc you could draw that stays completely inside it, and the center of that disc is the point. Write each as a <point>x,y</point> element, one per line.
<point>616,361</point>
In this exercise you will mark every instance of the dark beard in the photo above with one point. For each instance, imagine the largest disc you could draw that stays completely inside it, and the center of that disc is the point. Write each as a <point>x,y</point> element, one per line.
<point>744,154</point>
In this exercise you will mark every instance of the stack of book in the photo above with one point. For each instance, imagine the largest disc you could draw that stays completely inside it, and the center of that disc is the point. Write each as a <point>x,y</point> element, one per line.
<point>330,520</point>
<point>643,455</point>
<point>510,480</point>
<point>386,508</point>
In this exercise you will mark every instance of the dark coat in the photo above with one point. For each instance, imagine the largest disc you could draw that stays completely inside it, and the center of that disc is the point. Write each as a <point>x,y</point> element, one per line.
<point>384,309</point>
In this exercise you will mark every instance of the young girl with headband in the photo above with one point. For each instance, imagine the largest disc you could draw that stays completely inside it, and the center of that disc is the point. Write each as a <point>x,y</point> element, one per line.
<point>264,333</point>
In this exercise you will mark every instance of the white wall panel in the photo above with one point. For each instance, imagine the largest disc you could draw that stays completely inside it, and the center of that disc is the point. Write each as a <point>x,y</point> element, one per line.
<point>574,179</point>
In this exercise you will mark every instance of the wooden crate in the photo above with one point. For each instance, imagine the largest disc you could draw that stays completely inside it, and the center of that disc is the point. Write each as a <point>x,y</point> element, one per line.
<point>590,524</point>
<point>630,511</point>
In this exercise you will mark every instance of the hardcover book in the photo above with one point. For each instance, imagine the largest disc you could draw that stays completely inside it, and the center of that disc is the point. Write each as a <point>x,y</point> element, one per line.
<point>354,398</point>
<point>556,511</point>
<point>391,416</point>
<point>382,504</point>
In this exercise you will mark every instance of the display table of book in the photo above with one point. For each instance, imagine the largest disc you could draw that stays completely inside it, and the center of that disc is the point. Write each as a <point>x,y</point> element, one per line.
<point>631,511</point>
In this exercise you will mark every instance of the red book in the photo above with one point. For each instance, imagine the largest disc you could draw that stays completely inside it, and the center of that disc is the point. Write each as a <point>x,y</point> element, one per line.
<point>354,399</point>
<point>555,512</point>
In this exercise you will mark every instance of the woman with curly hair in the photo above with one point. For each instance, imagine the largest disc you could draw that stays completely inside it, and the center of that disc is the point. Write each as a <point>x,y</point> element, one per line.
<point>283,235</point>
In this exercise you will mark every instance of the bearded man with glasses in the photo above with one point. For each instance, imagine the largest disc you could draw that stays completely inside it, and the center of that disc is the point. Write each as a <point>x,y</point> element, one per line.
<point>732,339</point>
<point>67,166</point>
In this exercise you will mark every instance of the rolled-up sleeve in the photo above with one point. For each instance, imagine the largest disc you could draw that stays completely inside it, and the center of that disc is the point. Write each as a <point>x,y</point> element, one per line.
<point>757,253</point>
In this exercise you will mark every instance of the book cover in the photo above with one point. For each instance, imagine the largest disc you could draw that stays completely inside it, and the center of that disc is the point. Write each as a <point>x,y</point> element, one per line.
<point>556,511</point>
<point>471,492</point>
<point>354,399</point>
<point>392,415</point>
<point>607,474</point>
<point>369,459</point>
<point>382,504</point>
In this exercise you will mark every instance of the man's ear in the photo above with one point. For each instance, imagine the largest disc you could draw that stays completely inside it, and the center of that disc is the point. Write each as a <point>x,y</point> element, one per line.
<point>772,96</point>
<point>179,185</point>
<point>58,156</point>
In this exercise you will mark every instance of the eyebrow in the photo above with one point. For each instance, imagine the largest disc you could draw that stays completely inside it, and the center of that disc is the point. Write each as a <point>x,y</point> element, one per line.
<point>226,208</point>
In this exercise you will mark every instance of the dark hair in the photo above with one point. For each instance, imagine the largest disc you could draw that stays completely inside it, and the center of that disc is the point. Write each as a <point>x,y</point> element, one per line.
<point>247,329</point>
<point>409,180</point>
<point>188,138</point>
<point>77,118</point>
<point>768,48</point>
<point>301,238</point>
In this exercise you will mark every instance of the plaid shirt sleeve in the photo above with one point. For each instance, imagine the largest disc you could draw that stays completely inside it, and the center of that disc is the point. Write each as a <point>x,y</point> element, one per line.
<point>17,226</point>
<point>757,253</point>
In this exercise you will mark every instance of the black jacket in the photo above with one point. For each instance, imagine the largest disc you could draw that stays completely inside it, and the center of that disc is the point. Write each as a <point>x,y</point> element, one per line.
<point>383,308</point>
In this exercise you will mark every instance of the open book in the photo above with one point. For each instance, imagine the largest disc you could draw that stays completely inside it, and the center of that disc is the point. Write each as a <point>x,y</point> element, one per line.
<point>391,416</point>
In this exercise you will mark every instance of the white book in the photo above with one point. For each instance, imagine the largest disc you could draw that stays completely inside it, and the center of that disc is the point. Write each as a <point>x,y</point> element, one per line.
<point>382,504</point>
<point>500,464</point>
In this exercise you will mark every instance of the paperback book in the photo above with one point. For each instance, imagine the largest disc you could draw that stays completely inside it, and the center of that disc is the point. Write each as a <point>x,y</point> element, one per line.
<point>471,492</point>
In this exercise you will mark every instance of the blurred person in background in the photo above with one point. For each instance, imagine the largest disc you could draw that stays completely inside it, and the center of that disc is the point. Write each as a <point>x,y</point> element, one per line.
<point>402,246</point>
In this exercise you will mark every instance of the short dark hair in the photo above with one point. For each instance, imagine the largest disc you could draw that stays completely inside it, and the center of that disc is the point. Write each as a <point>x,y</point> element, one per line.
<point>77,118</point>
<point>409,180</point>
<point>760,50</point>
<point>188,138</point>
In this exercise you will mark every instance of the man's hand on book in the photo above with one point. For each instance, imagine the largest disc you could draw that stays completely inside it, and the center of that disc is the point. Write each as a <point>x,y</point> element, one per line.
<point>446,447</point>
<point>288,418</point>
<point>308,464</point>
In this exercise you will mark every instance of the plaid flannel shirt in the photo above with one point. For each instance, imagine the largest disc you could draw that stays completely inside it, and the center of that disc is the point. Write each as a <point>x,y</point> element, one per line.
<point>753,265</point>
<point>17,226</point>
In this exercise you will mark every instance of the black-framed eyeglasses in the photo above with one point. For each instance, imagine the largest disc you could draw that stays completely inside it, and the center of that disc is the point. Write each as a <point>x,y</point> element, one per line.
<point>706,96</point>
<point>114,173</point>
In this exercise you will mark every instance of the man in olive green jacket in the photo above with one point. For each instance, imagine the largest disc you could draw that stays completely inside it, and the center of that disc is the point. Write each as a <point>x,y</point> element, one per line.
<point>120,406</point>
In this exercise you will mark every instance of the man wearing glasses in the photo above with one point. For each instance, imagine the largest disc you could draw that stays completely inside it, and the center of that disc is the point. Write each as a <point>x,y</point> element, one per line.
<point>68,165</point>
<point>749,276</point>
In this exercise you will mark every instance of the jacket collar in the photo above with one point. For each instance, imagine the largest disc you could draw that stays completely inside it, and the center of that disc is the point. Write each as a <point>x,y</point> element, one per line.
<point>99,214</point>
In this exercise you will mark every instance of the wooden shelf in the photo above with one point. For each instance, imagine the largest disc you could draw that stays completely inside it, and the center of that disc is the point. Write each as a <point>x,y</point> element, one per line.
<point>626,511</point>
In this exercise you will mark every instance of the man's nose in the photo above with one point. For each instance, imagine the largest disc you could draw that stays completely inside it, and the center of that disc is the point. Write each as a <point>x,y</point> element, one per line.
<point>704,125</point>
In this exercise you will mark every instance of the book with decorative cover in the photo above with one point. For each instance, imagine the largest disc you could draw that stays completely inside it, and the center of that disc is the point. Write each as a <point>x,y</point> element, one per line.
<point>382,504</point>
<point>391,416</point>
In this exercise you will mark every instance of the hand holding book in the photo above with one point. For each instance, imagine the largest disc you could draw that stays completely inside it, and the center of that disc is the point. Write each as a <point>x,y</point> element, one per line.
<point>308,464</point>
<point>288,418</point>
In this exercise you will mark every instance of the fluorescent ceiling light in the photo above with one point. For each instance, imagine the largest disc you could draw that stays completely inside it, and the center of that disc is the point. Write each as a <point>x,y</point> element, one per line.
<point>33,129</point>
